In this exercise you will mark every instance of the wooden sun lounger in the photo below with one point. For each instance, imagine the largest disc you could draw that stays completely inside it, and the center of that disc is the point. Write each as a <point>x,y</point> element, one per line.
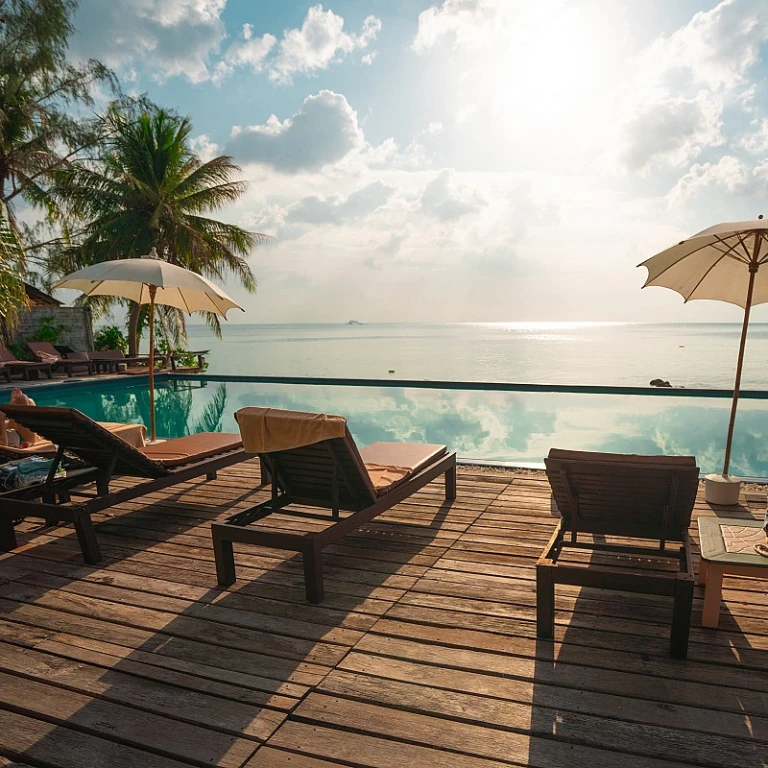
<point>629,497</point>
<point>109,359</point>
<point>104,456</point>
<point>47,353</point>
<point>330,474</point>
<point>11,364</point>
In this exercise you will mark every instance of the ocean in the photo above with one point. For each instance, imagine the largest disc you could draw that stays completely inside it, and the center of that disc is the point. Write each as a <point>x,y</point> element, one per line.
<point>624,354</point>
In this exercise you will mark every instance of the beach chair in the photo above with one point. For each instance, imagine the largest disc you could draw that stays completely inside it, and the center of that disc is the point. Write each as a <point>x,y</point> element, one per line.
<point>102,456</point>
<point>645,504</point>
<point>312,460</point>
<point>10,364</point>
<point>74,362</point>
<point>109,359</point>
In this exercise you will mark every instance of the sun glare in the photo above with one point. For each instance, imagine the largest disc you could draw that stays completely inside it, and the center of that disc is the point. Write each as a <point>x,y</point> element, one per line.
<point>549,76</point>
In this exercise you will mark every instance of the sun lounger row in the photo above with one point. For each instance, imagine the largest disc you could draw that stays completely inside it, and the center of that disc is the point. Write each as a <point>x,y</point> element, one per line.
<point>623,519</point>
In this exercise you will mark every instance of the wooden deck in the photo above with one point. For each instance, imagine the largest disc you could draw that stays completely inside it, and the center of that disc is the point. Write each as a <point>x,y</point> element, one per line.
<point>423,654</point>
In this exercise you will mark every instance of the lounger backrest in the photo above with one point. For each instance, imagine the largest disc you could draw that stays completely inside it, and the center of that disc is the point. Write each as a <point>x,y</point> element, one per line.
<point>6,356</point>
<point>648,497</point>
<point>109,354</point>
<point>307,473</point>
<point>44,350</point>
<point>84,438</point>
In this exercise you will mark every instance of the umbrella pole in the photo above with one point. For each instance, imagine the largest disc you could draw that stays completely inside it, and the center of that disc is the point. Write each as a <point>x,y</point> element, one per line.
<point>737,384</point>
<point>152,291</point>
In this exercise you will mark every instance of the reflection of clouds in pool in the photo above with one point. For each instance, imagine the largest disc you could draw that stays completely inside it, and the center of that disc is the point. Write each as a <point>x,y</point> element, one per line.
<point>502,426</point>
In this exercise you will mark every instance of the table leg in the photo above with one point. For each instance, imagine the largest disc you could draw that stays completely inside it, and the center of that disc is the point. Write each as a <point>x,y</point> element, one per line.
<point>713,594</point>
<point>702,571</point>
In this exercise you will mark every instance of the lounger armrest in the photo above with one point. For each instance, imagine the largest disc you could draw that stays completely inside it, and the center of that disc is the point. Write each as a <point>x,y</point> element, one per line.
<point>686,558</point>
<point>554,545</point>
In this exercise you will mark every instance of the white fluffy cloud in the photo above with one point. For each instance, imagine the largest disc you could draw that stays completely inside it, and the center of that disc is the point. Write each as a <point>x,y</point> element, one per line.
<point>756,141</point>
<point>249,52</point>
<point>320,42</point>
<point>682,83</point>
<point>447,200</point>
<point>675,130</point>
<point>728,173</point>
<point>323,131</point>
<point>464,20</point>
<point>337,209</point>
<point>168,37</point>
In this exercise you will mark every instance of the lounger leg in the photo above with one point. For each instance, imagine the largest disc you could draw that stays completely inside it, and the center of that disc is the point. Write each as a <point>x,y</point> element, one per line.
<point>681,618</point>
<point>266,477</point>
<point>7,534</point>
<point>545,602</point>
<point>225,560</point>
<point>313,573</point>
<point>211,475</point>
<point>86,535</point>
<point>450,484</point>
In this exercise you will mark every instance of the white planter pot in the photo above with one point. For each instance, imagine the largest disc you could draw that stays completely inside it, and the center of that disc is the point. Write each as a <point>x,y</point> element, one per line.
<point>722,489</point>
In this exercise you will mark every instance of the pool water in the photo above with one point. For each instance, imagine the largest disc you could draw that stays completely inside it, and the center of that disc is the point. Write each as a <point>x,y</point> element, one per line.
<point>517,427</point>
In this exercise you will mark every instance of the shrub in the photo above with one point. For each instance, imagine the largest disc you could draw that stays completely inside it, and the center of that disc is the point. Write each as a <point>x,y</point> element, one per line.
<point>48,330</point>
<point>110,337</point>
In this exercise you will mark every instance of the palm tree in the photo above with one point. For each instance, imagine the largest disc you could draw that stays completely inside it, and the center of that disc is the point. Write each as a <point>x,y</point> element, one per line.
<point>150,190</point>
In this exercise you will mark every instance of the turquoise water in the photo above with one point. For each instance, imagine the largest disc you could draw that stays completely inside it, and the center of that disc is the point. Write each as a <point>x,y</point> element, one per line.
<point>491,426</point>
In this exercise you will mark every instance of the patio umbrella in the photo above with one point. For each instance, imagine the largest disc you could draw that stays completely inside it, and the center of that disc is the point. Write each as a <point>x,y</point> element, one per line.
<point>150,280</point>
<point>721,263</point>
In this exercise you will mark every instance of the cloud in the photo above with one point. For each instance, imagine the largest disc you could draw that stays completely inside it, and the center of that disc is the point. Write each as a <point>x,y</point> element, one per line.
<point>463,20</point>
<point>249,52</point>
<point>323,131</point>
<point>756,142</point>
<point>675,130</point>
<point>728,173</point>
<point>682,84</point>
<point>446,200</point>
<point>320,41</point>
<point>168,37</point>
<point>337,209</point>
<point>203,147</point>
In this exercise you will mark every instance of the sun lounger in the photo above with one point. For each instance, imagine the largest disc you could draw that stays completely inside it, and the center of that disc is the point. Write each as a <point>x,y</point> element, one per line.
<point>312,460</point>
<point>109,359</point>
<point>11,364</point>
<point>632,498</point>
<point>104,456</point>
<point>75,362</point>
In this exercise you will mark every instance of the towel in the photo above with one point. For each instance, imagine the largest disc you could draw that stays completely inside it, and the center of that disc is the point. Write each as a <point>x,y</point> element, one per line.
<point>265,430</point>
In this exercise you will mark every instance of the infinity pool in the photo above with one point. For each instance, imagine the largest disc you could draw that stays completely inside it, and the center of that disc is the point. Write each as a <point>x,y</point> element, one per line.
<point>517,427</point>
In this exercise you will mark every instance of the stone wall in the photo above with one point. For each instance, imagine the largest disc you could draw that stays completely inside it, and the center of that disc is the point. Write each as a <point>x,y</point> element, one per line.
<point>77,319</point>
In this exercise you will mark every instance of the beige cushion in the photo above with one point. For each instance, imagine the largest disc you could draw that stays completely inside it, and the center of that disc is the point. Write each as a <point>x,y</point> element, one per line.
<point>389,464</point>
<point>186,450</point>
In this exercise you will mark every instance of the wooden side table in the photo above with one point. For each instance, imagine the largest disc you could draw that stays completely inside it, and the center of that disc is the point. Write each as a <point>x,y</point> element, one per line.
<point>717,535</point>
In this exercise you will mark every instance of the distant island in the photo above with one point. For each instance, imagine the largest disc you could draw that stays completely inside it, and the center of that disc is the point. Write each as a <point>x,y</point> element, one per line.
<point>354,322</point>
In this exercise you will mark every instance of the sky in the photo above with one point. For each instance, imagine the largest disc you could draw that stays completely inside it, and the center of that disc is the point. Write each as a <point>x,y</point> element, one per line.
<point>461,160</point>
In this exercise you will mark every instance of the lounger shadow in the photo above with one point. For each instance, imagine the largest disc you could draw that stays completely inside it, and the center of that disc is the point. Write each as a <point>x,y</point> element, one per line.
<point>329,474</point>
<point>95,456</point>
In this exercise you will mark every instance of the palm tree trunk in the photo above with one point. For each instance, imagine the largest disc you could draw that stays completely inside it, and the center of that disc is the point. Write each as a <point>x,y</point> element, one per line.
<point>133,329</point>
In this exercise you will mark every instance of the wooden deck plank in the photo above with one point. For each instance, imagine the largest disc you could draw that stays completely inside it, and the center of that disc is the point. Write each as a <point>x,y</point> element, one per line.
<point>423,654</point>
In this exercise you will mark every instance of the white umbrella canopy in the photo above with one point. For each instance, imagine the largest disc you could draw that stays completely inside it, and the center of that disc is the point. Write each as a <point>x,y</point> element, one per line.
<point>150,280</point>
<point>132,279</point>
<point>721,263</point>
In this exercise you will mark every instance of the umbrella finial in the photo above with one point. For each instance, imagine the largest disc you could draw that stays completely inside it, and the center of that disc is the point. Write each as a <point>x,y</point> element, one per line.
<point>152,254</point>
<point>760,216</point>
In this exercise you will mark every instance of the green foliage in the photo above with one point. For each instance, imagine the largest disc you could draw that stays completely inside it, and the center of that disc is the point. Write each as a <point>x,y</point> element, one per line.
<point>110,337</point>
<point>41,93</point>
<point>150,190</point>
<point>49,330</point>
<point>20,351</point>
<point>13,297</point>
<point>184,358</point>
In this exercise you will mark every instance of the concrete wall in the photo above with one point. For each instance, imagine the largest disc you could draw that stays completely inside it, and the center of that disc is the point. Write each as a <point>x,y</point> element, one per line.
<point>77,319</point>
